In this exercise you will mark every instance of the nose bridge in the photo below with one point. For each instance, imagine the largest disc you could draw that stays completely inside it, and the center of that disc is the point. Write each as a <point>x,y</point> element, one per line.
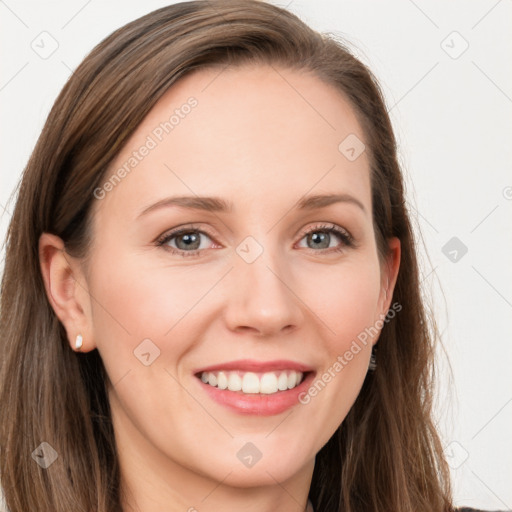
<point>261,295</point>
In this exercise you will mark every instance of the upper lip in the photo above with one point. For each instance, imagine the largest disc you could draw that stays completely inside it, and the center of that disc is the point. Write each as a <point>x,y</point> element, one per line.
<point>251,365</point>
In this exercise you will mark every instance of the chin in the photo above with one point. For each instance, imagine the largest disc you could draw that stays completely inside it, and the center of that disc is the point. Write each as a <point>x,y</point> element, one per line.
<point>260,475</point>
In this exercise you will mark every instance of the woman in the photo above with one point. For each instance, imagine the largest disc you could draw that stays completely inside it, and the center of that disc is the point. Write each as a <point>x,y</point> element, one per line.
<point>209,244</point>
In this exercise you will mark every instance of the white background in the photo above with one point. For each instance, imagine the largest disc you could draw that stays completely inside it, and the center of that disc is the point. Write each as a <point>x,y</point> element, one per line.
<point>452,116</point>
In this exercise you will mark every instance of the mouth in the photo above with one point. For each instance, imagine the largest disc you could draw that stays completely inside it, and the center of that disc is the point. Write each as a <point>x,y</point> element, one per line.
<point>250,383</point>
<point>249,387</point>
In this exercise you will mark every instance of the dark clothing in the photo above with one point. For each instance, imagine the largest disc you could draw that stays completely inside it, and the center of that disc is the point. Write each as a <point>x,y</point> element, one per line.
<point>467,509</point>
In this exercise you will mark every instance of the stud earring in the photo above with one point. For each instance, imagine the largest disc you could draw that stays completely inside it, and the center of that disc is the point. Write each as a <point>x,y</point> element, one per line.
<point>78,342</point>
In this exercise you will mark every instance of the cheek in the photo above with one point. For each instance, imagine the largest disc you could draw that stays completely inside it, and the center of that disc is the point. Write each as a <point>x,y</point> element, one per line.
<point>133,304</point>
<point>147,314</point>
<point>346,303</point>
<point>345,299</point>
<point>146,301</point>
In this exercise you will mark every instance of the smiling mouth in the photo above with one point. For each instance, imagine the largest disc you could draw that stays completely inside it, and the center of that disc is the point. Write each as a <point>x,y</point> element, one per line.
<point>251,383</point>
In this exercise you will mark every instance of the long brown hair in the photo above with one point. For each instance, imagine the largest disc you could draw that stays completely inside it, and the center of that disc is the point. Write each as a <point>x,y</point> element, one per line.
<point>385,456</point>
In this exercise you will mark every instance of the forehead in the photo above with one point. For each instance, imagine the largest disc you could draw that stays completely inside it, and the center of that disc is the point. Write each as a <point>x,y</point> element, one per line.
<point>250,134</point>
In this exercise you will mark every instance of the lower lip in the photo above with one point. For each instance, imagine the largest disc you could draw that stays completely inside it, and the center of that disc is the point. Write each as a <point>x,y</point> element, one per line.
<point>256,403</point>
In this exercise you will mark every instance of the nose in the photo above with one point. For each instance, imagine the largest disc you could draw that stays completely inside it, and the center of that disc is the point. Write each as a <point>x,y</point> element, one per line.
<point>262,297</point>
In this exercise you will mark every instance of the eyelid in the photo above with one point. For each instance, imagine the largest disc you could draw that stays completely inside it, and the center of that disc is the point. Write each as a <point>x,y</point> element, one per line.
<point>325,226</point>
<point>182,229</point>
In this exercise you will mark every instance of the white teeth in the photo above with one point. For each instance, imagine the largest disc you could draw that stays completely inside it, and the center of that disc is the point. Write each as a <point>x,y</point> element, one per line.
<point>292,380</point>
<point>282,382</point>
<point>234,381</point>
<point>251,382</point>
<point>268,383</point>
<point>222,380</point>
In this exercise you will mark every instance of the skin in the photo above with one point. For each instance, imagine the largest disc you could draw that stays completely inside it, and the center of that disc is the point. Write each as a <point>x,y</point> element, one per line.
<point>252,139</point>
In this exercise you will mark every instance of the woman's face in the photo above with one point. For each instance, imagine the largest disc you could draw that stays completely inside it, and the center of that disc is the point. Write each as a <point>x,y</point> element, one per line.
<point>264,286</point>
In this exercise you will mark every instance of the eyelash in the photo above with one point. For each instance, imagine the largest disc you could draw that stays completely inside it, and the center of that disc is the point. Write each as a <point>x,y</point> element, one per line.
<point>344,235</point>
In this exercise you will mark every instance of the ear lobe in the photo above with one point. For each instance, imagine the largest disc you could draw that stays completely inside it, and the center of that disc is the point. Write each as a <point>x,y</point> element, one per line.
<point>60,273</point>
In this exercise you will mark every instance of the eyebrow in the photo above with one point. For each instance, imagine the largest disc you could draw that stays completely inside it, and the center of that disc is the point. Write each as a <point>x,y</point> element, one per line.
<point>217,204</point>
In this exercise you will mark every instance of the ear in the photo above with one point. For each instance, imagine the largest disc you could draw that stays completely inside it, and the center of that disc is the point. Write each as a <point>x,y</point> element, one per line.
<point>66,288</point>
<point>389,274</point>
